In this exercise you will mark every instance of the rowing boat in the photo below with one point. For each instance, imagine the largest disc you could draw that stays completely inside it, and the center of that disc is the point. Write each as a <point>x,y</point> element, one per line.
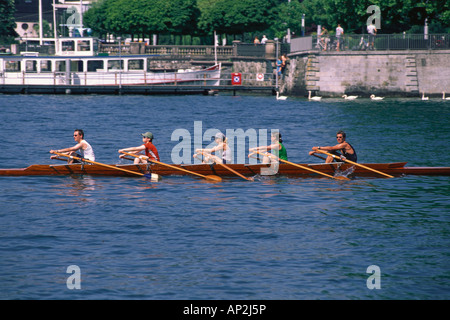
<point>395,169</point>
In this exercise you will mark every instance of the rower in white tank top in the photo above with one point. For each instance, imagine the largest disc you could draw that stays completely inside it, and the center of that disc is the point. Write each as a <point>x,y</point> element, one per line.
<point>82,148</point>
<point>88,152</point>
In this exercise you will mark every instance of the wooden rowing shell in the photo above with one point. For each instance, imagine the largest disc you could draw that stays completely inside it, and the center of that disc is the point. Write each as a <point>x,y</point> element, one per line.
<point>396,169</point>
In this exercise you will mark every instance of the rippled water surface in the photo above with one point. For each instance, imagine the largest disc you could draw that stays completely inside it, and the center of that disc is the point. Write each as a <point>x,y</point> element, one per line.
<point>185,238</point>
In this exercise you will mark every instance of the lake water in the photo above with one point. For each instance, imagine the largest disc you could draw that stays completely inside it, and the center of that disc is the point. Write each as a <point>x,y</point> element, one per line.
<point>184,238</point>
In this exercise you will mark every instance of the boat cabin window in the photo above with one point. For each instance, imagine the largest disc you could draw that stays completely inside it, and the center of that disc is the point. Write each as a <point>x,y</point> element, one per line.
<point>46,66</point>
<point>60,66</point>
<point>115,65</point>
<point>76,66</point>
<point>95,65</point>
<point>68,45</point>
<point>136,64</point>
<point>12,66</point>
<point>83,45</point>
<point>30,66</point>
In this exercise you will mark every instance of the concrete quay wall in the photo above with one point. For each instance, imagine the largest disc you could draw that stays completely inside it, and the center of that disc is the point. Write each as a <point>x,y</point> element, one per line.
<point>394,73</point>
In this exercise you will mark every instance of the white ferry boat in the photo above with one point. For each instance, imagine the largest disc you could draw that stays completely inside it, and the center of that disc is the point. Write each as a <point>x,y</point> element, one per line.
<point>77,64</point>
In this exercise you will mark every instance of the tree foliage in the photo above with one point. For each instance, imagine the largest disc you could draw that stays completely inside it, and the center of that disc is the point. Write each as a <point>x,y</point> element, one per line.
<point>7,22</point>
<point>273,17</point>
<point>142,17</point>
<point>396,16</point>
<point>237,17</point>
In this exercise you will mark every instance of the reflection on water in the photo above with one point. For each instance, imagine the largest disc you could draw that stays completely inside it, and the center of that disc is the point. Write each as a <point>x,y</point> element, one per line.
<point>77,186</point>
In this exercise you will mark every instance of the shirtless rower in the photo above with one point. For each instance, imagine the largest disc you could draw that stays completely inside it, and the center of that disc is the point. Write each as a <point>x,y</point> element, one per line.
<point>81,150</point>
<point>346,150</point>
<point>150,150</point>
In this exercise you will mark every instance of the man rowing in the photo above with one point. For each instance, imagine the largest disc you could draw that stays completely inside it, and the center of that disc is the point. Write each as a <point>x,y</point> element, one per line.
<point>277,146</point>
<point>346,150</point>
<point>81,150</point>
<point>150,150</point>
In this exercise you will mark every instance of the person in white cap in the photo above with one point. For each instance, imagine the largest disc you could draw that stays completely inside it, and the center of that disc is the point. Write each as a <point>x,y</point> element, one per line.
<point>222,150</point>
<point>150,150</point>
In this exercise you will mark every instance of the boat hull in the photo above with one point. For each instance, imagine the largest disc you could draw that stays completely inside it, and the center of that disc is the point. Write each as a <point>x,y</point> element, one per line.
<point>395,169</point>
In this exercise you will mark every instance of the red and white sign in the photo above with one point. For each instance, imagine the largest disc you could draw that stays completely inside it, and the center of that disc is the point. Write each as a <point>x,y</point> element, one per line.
<point>260,77</point>
<point>236,79</point>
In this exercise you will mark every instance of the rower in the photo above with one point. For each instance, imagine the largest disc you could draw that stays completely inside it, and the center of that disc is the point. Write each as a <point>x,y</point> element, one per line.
<point>83,148</point>
<point>222,153</point>
<point>277,145</point>
<point>346,150</point>
<point>150,150</point>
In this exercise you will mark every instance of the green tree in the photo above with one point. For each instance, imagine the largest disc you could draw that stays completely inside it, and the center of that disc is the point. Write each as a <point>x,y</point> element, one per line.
<point>182,17</point>
<point>236,17</point>
<point>287,15</point>
<point>95,18</point>
<point>7,21</point>
<point>396,15</point>
<point>231,17</point>
<point>143,17</point>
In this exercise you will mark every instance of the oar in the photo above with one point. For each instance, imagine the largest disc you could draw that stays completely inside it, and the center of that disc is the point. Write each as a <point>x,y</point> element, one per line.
<point>152,176</point>
<point>306,168</point>
<point>208,177</point>
<point>354,163</point>
<point>227,167</point>
<point>315,155</point>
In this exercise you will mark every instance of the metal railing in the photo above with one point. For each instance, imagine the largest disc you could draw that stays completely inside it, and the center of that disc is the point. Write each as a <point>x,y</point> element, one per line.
<point>363,42</point>
<point>224,52</point>
<point>262,80</point>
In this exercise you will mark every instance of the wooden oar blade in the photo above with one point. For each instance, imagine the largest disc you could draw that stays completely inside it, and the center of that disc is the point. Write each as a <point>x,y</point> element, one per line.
<point>213,178</point>
<point>341,178</point>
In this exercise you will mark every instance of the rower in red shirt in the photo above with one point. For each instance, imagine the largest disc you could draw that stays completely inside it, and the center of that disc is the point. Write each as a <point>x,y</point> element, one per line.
<point>150,150</point>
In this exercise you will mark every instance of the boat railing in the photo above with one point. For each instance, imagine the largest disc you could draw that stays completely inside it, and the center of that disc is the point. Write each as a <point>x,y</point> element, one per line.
<point>118,77</point>
<point>167,50</point>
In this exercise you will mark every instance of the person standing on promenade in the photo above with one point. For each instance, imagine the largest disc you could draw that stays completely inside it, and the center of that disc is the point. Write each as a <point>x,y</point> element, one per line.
<point>372,31</point>
<point>150,150</point>
<point>83,148</point>
<point>264,39</point>
<point>346,150</point>
<point>339,34</point>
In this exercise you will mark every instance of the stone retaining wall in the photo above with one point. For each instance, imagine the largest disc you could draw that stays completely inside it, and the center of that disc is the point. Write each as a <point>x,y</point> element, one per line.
<point>405,73</point>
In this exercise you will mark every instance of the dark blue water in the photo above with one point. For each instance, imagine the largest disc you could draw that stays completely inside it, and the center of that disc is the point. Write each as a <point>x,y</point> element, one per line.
<point>184,238</point>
